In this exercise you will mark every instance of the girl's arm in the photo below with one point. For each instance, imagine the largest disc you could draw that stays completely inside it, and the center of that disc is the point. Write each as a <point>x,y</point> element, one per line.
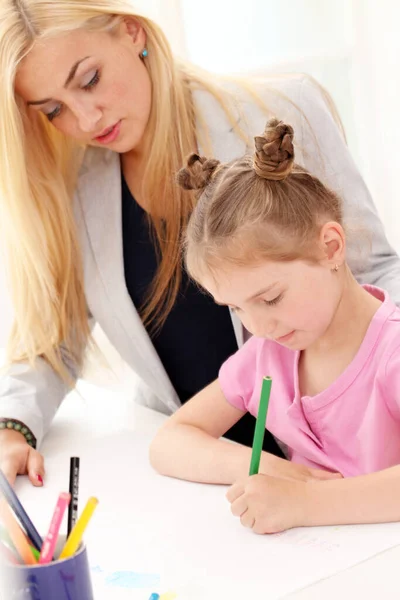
<point>270,504</point>
<point>372,498</point>
<point>188,446</point>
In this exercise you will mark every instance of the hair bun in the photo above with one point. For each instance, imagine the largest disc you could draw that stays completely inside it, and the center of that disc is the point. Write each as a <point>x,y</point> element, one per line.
<point>274,155</point>
<point>198,172</point>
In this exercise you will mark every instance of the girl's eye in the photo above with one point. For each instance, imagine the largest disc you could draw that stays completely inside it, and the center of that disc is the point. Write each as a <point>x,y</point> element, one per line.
<point>274,301</point>
<point>54,113</point>
<point>93,82</point>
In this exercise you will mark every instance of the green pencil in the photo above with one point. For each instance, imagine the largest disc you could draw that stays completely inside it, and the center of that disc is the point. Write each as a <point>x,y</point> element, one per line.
<point>260,426</point>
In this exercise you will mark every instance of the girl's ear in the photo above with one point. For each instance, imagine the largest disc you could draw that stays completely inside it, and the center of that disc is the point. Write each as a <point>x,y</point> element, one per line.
<point>332,241</point>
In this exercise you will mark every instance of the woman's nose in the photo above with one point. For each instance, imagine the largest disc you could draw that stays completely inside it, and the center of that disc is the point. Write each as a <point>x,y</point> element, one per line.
<point>88,117</point>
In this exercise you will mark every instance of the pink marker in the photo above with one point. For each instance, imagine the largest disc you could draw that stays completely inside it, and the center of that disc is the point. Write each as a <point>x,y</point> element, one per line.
<point>49,544</point>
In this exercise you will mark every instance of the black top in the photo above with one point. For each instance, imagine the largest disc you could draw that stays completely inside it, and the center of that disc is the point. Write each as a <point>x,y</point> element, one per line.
<point>197,335</point>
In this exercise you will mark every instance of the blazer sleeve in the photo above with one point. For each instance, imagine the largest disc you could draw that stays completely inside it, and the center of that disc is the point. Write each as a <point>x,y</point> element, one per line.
<point>325,154</point>
<point>33,394</point>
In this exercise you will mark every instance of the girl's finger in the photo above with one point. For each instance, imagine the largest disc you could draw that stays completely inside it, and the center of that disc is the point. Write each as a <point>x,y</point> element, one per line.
<point>236,490</point>
<point>247,519</point>
<point>239,506</point>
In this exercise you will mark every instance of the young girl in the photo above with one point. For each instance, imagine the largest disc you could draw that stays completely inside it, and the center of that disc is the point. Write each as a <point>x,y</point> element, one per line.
<point>267,239</point>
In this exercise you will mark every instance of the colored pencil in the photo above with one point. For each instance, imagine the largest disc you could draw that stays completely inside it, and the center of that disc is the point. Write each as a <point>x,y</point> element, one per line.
<point>74,491</point>
<point>260,426</point>
<point>16,534</point>
<point>35,553</point>
<point>7,553</point>
<point>50,541</point>
<point>20,512</point>
<point>76,535</point>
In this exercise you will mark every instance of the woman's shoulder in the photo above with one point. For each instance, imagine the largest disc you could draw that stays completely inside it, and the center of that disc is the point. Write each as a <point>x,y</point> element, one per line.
<point>298,99</point>
<point>275,94</point>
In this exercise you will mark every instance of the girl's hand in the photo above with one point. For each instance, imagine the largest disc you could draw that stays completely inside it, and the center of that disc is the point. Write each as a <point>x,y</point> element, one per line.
<point>267,504</point>
<point>280,467</point>
<point>18,458</point>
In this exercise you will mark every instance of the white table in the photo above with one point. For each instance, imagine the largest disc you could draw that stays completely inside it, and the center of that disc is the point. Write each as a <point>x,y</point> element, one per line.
<point>135,502</point>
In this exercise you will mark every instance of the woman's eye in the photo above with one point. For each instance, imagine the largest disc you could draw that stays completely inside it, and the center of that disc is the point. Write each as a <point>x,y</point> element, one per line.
<point>93,82</point>
<point>54,113</point>
<point>274,301</point>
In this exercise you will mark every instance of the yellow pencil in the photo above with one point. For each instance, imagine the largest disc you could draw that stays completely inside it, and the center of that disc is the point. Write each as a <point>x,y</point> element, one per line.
<point>16,534</point>
<point>77,532</point>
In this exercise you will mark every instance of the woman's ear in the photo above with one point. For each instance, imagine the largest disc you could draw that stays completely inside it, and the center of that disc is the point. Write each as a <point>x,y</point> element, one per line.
<point>332,241</point>
<point>133,28</point>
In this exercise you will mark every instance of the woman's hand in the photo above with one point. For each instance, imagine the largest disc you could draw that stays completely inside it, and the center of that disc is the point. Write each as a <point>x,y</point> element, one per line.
<point>267,504</point>
<point>18,458</point>
<point>279,467</point>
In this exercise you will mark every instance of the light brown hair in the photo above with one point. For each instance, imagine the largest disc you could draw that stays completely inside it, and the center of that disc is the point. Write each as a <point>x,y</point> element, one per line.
<point>255,207</point>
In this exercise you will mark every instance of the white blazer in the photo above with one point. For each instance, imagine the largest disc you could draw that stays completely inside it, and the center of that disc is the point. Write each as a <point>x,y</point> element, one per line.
<point>33,395</point>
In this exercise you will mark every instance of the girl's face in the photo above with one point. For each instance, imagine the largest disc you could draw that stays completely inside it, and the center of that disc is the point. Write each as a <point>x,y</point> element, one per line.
<point>91,84</point>
<point>292,303</point>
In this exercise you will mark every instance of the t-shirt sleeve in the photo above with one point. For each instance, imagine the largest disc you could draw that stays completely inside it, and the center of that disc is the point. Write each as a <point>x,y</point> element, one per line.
<point>237,375</point>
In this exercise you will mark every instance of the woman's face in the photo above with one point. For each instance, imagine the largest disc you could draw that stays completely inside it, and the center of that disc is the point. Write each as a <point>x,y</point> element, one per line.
<point>92,86</point>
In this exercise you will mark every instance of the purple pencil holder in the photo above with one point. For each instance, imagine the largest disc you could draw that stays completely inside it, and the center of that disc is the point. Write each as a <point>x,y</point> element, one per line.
<point>67,579</point>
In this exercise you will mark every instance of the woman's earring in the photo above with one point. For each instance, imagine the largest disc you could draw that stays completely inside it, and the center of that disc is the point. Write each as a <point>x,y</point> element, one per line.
<point>144,53</point>
<point>336,268</point>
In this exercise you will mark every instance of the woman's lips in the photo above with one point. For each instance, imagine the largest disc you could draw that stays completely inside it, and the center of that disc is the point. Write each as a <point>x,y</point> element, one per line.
<point>110,134</point>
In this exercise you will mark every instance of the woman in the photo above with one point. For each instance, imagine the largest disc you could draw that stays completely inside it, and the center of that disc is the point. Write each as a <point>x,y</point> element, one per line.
<point>98,235</point>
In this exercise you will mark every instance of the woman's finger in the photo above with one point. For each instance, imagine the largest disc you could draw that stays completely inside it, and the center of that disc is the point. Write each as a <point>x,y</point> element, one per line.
<point>10,470</point>
<point>35,468</point>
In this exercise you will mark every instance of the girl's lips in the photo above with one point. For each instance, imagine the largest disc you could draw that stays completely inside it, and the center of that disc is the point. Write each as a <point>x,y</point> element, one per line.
<point>284,338</point>
<point>111,136</point>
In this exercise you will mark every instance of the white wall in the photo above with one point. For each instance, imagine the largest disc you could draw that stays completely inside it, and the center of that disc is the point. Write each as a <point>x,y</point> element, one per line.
<point>376,96</point>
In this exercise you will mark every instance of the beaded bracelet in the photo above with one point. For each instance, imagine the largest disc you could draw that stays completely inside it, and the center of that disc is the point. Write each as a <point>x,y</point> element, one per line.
<point>15,425</point>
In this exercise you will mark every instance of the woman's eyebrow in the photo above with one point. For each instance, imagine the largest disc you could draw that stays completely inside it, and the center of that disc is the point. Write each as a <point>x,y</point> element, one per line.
<point>70,77</point>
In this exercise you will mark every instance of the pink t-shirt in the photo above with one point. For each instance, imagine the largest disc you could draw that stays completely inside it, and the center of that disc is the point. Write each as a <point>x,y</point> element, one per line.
<point>353,426</point>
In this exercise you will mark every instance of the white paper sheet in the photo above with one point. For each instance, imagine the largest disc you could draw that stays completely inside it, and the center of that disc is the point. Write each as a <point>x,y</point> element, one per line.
<point>156,534</point>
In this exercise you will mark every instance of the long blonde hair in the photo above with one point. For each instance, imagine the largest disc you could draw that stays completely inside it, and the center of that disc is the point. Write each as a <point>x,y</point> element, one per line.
<point>38,174</point>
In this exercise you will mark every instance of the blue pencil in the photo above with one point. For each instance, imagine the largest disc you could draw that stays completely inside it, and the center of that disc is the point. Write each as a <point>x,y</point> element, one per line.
<point>20,513</point>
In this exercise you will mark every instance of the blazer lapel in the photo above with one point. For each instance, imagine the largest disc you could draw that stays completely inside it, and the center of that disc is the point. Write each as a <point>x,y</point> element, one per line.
<point>99,201</point>
<point>98,205</point>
